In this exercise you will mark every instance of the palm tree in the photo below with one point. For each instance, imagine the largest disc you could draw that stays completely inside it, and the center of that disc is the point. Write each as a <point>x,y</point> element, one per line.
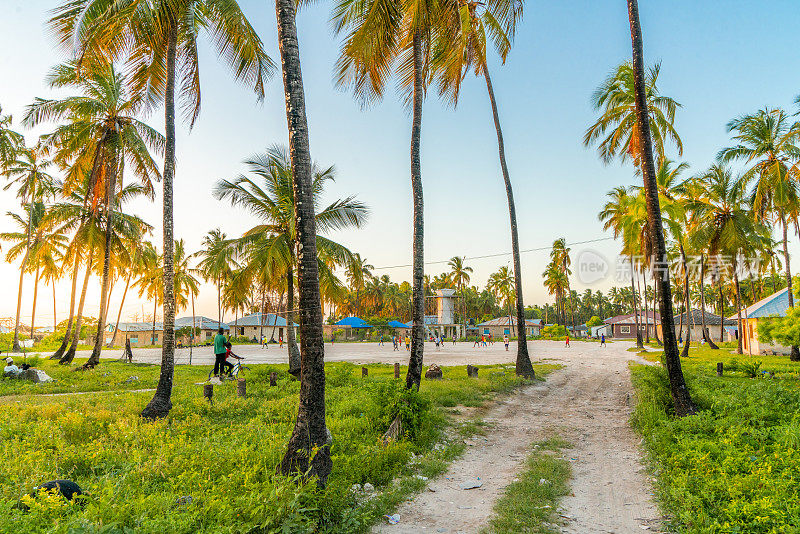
<point>460,274</point>
<point>159,38</point>
<point>617,216</point>
<point>358,271</point>
<point>642,131</point>
<point>726,224</point>
<point>384,37</point>
<point>560,256</point>
<point>101,134</point>
<point>470,21</point>
<point>29,173</point>
<point>270,195</point>
<point>217,260</point>
<point>770,146</point>
<point>135,269</point>
<point>35,244</point>
<point>10,140</point>
<point>149,282</point>
<point>617,132</point>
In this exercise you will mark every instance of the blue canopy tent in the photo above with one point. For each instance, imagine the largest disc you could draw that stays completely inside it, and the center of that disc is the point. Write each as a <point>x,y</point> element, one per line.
<point>397,324</point>
<point>353,322</point>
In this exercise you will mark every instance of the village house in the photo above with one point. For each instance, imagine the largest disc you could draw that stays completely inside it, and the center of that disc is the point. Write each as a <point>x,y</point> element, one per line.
<point>269,325</point>
<point>775,305</point>
<point>507,326</point>
<point>624,326</point>
<point>694,321</point>
<point>208,329</point>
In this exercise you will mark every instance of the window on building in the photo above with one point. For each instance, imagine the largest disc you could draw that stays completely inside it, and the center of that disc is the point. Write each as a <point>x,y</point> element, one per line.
<point>486,331</point>
<point>506,332</point>
<point>134,339</point>
<point>624,329</point>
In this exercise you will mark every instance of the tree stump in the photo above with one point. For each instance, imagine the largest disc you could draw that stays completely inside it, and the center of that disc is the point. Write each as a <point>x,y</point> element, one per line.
<point>273,379</point>
<point>472,371</point>
<point>364,372</point>
<point>208,392</point>
<point>397,370</point>
<point>719,368</point>
<point>434,372</point>
<point>395,431</point>
<point>241,388</point>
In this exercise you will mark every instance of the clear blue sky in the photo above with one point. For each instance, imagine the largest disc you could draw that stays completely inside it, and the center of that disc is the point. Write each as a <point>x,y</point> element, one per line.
<point>719,59</point>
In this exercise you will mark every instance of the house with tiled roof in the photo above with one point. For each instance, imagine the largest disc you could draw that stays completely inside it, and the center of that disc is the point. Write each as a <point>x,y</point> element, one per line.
<point>693,321</point>
<point>270,325</point>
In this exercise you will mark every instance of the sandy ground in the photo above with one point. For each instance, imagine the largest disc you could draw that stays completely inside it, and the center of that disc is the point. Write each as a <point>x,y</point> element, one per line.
<point>588,403</point>
<point>372,352</point>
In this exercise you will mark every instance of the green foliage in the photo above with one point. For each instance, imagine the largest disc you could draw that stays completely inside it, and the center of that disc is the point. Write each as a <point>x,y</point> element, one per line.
<point>735,466</point>
<point>409,405</point>
<point>554,331</point>
<point>529,505</point>
<point>224,455</point>
<point>594,321</point>
<point>783,330</point>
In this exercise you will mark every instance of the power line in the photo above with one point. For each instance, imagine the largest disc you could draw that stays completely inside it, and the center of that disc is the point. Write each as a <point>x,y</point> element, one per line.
<point>498,254</point>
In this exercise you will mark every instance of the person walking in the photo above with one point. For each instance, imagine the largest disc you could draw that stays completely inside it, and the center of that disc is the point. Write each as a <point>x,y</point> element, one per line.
<point>455,336</point>
<point>220,351</point>
<point>280,340</point>
<point>602,340</point>
<point>567,340</point>
<point>408,342</point>
<point>505,341</point>
<point>380,343</point>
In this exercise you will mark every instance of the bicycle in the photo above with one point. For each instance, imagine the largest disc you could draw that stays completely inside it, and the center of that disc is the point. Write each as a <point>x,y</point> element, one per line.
<point>238,368</point>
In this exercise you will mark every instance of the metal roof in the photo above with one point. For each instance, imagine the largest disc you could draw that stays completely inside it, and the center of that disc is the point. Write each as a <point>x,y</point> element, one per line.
<point>263,319</point>
<point>200,321</point>
<point>696,317</point>
<point>774,305</point>
<point>505,320</point>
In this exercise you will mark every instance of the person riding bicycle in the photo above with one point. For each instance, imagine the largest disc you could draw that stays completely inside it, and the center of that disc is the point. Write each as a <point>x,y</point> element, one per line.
<point>227,366</point>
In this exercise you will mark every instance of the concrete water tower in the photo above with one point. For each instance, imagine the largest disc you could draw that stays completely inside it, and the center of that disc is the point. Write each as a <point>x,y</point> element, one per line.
<point>445,306</point>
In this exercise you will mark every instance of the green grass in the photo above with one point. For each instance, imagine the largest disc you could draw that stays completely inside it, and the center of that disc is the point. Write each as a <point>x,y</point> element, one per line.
<point>222,455</point>
<point>529,504</point>
<point>734,467</point>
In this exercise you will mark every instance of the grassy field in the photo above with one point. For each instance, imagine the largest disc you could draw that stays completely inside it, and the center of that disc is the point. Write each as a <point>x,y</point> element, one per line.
<point>212,468</point>
<point>529,505</point>
<point>734,467</point>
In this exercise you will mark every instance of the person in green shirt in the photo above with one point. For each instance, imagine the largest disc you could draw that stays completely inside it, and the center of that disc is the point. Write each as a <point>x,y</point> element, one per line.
<point>219,351</point>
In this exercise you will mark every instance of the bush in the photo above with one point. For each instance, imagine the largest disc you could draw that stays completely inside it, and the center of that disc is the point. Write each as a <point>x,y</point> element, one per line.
<point>734,466</point>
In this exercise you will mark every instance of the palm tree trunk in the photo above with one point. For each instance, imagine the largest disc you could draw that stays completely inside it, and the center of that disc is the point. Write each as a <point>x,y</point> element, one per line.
<point>69,355</point>
<point>119,313</point>
<point>219,301</point>
<point>16,346</point>
<point>703,303</point>
<point>35,295</point>
<point>94,359</point>
<point>795,352</point>
<point>721,309</point>
<point>646,311</point>
<point>680,393</point>
<point>194,328</point>
<point>161,403</point>
<point>294,352</point>
<point>153,333</point>
<point>310,432</point>
<point>55,319</point>
<point>738,309</point>
<point>655,298</point>
<point>634,298</point>
<point>414,374</point>
<point>523,364</point>
<point>60,351</point>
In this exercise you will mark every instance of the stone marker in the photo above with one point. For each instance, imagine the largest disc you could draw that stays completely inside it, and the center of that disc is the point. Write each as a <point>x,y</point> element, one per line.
<point>208,392</point>
<point>472,371</point>
<point>273,379</point>
<point>397,369</point>
<point>364,372</point>
<point>241,388</point>
<point>719,368</point>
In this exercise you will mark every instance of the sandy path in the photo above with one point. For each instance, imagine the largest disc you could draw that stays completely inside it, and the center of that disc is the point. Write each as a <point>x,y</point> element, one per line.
<point>587,403</point>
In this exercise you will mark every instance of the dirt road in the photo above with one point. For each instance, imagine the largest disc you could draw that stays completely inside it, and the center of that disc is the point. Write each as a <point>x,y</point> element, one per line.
<point>587,403</point>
